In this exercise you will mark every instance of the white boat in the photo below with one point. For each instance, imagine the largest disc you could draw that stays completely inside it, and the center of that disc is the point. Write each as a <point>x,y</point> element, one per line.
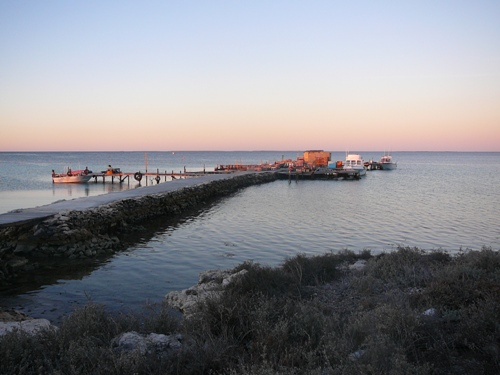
<point>386,163</point>
<point>78,177</point>
<point>356,163</point>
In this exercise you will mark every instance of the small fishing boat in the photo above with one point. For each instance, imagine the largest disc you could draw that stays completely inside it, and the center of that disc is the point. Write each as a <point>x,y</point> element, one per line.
<point>355,162</point>
<point>386,162</point>
<point>79,176</point>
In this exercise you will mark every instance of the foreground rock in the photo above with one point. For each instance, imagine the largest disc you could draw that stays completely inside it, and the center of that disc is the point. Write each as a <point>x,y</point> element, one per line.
<point>211,284</point>
<point>152,343</point>
<point>16,321</point>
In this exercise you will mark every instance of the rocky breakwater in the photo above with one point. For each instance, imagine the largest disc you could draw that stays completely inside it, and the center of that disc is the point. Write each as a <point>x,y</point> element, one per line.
<point>98,231</point>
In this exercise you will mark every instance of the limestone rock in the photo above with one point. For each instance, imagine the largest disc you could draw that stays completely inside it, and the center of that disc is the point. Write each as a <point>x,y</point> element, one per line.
<point>210,285</point>
<point>30,326</point>
<point>16,262</point>
<point>430,312</point>
<point>358,266</point>
<point>12,316</point>
<point>154,342</point>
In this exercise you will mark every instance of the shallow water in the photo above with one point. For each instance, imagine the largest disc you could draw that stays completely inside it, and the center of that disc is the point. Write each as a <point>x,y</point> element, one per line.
<point>433,200</point>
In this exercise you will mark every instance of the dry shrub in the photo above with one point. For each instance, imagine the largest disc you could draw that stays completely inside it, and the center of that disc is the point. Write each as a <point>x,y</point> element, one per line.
<point>315,270</point>
<point>91,321</point>
<point>383,356</point>
<point>21,353</point>
<point>470,277</point>
<point>407,267</point>
<point>368,285</point>
<point>396,322</point>
<point>157,318</point>
<point>81,345</point>
<point>264,280</point>
<point>251,322</point>
<point>479,332</point>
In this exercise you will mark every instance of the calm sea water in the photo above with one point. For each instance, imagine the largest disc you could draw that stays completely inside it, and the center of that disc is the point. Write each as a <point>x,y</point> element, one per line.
<point>433,200</point>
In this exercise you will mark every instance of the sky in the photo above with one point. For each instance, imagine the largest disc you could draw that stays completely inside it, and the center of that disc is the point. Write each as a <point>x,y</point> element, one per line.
<point>249,75</point>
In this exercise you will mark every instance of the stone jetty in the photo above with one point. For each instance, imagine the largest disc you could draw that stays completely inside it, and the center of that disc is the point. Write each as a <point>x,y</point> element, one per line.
<point>94,226</point>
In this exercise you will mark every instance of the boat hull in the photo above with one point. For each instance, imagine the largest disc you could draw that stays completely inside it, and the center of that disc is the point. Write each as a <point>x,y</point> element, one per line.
<point>70,179</point>
<point>361,171</point>
<point>388,166</point>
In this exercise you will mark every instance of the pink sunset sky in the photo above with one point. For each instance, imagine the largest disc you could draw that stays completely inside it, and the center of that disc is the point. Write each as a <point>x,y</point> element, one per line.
<point>255,75</point>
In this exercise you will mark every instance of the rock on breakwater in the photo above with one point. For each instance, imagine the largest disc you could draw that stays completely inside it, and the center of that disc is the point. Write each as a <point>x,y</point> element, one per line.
<point>80,234</point>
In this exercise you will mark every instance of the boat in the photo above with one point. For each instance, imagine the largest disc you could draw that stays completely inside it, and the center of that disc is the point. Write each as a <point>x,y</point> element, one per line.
<point>355,162</point>
<point>79,176</point>
<point>386,162</point>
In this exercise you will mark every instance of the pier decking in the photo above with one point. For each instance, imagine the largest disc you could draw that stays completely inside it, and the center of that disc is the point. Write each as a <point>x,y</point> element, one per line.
<point>323,174</point>
<point>139,176</point>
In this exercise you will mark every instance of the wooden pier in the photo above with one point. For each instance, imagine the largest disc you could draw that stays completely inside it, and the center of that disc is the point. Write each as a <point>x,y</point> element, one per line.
<point>157,176</point>
<point>373,166</point>
<point>296,174</point>
<point>320,174</point>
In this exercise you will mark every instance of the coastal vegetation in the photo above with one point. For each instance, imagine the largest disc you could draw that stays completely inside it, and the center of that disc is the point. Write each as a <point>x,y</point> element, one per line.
<point>405,312</point>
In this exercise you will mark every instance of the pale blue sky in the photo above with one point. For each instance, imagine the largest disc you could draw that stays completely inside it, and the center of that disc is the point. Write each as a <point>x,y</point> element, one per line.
<point>228,75</point>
